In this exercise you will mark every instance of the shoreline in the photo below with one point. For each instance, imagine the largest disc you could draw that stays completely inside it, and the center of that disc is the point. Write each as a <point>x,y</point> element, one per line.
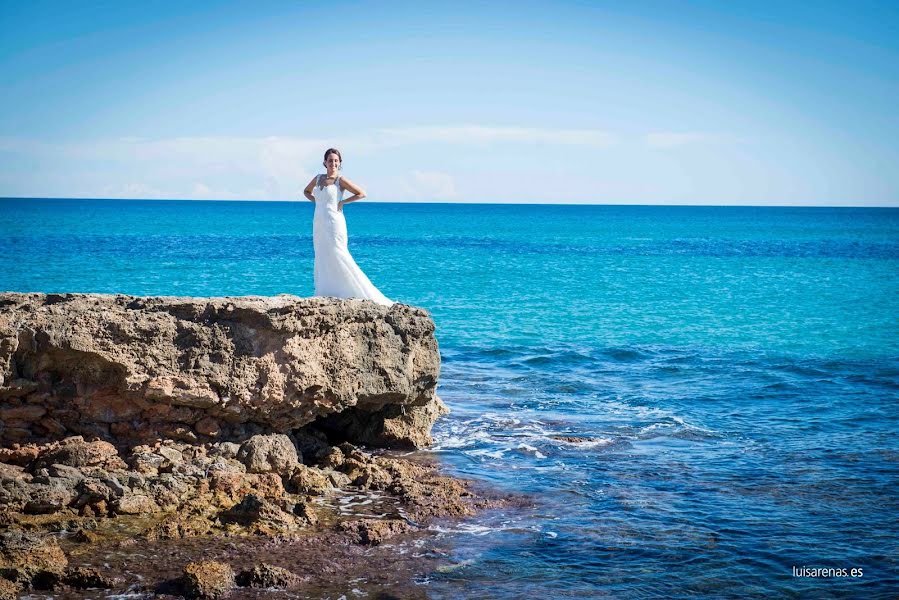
<point>360,533</point>
<point>141,435</point>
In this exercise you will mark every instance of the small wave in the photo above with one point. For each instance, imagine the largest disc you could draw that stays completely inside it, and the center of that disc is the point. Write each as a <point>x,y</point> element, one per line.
<point>474,528</point>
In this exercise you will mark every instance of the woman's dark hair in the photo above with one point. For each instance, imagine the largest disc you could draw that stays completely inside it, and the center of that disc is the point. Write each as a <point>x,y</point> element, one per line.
<point>331,151</point>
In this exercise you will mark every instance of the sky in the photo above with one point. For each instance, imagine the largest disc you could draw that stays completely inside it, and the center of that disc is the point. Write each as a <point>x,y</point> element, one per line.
<point>717,103</point>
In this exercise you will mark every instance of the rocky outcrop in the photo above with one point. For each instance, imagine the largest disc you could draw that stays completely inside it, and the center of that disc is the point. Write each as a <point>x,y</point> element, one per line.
<point>132,370</point>
<point>181,420</point>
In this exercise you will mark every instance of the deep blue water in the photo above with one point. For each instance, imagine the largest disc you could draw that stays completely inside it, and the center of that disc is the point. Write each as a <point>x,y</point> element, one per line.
<point>734,372</point>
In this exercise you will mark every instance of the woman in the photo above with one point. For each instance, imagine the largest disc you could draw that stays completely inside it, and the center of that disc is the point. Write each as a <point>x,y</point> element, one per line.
<point>336,273</point>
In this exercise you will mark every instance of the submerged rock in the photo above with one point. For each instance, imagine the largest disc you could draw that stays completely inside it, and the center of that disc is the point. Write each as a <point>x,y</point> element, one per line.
<point>84,578</point>
<point>268,576</point>
<point>373,532</point>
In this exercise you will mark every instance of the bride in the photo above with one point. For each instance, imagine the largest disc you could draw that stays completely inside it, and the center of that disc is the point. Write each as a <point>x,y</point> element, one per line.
<point>336,273</point>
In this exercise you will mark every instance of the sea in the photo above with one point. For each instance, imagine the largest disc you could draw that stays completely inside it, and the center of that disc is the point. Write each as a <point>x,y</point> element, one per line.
<point>701,401</point>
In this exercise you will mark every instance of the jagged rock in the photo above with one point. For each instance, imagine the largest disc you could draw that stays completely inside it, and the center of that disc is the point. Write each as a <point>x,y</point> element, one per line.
<point>207,579</point>
<point>26,556</point>
<point>338,479</point>
<point>173,455</point>
<point>392,426</point>
<point>262,515</point>
<point>9,590</point>
<point>13,473</point>
<point>426,492</point>
<point>136,504</point>
<point>308,480</point>
<point>147,463</point>
<point>267,576</point>
<point>71,475</point>
<point>235,486</point>
<point>333,459</point>
<point>372,532</point>
<point>225,465</point>
<point>372,477</point>
<point>45,499</point>
<point>131,369</point>
<point>179,526</point>
<point>75,452</point>
<point>268,453</point>
<point>226,449</point>
<point>18,454</point>
<point>84,578</point>
<point>85,536</point>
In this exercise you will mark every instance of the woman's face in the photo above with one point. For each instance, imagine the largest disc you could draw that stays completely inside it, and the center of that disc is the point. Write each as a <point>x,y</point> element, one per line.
<point>332,163</point>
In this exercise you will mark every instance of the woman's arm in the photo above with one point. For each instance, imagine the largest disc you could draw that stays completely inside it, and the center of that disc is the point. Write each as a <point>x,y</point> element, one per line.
<point>358,192</point>
<point>308,191</point>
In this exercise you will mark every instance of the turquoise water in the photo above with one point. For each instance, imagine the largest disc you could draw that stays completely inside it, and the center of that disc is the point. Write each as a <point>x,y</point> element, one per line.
<point>733,372</point>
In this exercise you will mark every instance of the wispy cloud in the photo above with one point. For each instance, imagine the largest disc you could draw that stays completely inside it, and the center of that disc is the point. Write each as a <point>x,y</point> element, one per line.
<point>477,134</point>
<point>227,167</point>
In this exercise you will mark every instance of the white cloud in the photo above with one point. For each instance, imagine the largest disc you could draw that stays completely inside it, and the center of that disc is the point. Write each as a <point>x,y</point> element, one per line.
<point>271,168</point>
<point>228,167</point>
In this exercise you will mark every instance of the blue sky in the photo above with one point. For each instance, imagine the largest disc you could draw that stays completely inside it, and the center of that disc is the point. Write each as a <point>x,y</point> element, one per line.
<point>783,103</point>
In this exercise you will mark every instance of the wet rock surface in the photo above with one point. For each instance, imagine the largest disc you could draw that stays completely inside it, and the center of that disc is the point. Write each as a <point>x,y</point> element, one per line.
<point>268,576</point>
<point>123,520</point>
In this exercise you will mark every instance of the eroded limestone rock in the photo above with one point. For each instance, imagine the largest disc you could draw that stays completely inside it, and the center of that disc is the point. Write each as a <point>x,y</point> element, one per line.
<point>208,580</point>
<point>130,370</point>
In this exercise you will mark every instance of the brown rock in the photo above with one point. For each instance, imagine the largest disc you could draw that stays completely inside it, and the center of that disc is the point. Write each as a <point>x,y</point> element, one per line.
<point>263,515</point>
<point>85,578</point>
<point>237,485</point>
<point>24,556</point>
<point>273,363</point>
<point>75,452</point>
<point>45,499</point>
<point>85,536</point>
<point>207,579</point>
<point>27,413</point>
<point>268,576</point>
<point>309,480</point>
<point>333,459</point>
<point>17,388</point>
<point>19,455</point>
<point>208,426</point>
<point>11,472</point>
<point>391,426</point>
<point>269,453</point>
<point>179,526</point>
<point>9,590</point>
<point>135,504</point>
<point>372,532</point>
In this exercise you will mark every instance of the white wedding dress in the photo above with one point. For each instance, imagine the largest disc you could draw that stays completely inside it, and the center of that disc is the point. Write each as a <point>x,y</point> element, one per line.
<point>336,273</point>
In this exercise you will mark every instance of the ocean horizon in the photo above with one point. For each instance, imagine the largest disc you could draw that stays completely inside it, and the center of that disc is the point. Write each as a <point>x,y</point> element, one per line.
<point>699,399</point>
<point>464,202</point>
